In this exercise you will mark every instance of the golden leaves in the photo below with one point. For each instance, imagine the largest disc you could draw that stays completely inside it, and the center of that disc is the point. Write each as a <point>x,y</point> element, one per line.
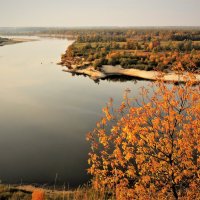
<point>107,113</point>
<point>150,147</point>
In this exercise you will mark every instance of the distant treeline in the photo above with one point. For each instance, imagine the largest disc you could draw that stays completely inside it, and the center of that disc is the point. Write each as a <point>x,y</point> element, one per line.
<point>113,33</point>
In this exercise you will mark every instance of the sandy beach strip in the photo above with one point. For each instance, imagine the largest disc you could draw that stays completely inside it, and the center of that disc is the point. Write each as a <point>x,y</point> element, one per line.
<point>109,70</point>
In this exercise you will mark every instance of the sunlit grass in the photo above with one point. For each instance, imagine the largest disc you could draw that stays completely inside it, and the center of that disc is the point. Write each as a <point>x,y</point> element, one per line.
<point>85,192</point>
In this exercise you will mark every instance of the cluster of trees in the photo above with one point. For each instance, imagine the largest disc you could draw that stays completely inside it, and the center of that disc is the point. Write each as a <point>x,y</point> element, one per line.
<point>186,36</point>
<point>160,62</point>
<point>99,54</point>
<point>169,60</point>
<point>149,148</point>
<point>2,40</point>
<point>186,45</point>
<point>101,38</point>
<point>102,43</point>
<point>126,60</point>
<point>123,42</point>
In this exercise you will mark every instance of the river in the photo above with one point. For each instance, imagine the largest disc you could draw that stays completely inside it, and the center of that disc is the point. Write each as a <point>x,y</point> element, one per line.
<point>45,114</point>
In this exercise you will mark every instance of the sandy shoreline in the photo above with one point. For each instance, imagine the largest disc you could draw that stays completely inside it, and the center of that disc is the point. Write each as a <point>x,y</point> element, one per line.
<point>23,40</point>
<point>108,70</point>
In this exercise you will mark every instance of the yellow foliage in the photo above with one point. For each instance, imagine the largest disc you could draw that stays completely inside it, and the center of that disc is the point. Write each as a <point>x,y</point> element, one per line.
<point>151,150</point>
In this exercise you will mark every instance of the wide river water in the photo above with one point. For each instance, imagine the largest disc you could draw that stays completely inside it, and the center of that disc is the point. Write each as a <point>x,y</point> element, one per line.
<point>45,114</point>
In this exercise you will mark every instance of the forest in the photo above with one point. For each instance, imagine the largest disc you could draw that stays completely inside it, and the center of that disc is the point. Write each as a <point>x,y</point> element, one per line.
<point>143,49</point>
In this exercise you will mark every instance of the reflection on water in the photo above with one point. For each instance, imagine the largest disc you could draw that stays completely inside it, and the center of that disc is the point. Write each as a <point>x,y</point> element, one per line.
<point>46,113</point>
<point>112,78</point>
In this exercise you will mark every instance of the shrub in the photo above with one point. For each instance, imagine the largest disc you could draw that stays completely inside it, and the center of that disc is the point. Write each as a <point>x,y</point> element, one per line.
<point>38,195</point>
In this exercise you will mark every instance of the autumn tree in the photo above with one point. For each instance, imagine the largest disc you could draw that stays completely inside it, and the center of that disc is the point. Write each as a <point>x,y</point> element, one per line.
<point>148,148</point>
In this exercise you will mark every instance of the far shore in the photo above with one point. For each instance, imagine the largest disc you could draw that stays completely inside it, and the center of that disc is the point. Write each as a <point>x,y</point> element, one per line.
<point>9,41</point>
<point>59,36</point>
<point>109,70</point>
<point>23,39</point>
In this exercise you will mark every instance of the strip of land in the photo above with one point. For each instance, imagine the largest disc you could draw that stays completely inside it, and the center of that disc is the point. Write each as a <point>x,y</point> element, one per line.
<point>109,70</point>
<point>8,41</point>
<point>134,53</point>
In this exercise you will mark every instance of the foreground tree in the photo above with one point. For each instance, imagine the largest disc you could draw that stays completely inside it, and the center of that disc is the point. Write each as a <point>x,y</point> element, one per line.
<point>149,147</point>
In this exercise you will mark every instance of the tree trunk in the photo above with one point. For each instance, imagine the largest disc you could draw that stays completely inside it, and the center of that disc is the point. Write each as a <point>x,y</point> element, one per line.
<point>174,191</point>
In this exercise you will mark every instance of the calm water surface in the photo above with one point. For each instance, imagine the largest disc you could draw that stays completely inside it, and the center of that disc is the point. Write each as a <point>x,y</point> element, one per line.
<point>45,114</point>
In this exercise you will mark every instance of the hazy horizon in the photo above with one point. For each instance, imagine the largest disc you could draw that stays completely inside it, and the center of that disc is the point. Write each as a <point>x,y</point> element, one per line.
<point>99,13</point>
<point>109,26</point>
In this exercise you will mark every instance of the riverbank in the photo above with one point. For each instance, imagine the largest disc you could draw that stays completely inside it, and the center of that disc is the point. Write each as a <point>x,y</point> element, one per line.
<point>8,41</point>
<point>109,70</point>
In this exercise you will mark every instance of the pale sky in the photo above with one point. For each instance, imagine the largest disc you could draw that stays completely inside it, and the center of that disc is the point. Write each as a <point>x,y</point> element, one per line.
<point>99,13</point>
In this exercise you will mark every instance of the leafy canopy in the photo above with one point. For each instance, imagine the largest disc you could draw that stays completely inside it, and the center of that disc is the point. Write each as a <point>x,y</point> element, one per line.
<point>148,148</point>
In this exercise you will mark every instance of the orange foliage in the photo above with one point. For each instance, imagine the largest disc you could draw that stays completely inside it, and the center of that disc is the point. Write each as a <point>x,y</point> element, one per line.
<point>38,195</point>
<point>149,148</point>
<point>154,44</point>
<point>112,55</point>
